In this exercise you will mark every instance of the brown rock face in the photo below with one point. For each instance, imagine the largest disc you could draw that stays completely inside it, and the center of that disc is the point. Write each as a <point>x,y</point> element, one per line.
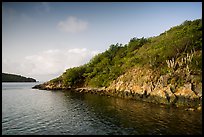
<point>186,92</point>
<point>169,94</point>
<point>143,84</point>
<point>198,90</point>
<point>152,87</point>
<point>163,95</point>
<point>50,86</point>
<point>186,97</point>
<point>137,89</point>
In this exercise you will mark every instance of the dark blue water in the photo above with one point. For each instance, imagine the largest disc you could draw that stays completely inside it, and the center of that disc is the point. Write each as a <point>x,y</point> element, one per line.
<point>39,112</point>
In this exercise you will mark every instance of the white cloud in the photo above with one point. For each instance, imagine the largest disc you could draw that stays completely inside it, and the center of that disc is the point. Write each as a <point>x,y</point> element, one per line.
<point>48,63</point>
<point>73,25</point>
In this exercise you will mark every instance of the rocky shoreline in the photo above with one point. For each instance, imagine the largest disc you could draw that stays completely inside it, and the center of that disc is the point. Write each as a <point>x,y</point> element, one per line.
<point>166,69</point>
<point>183,97</point>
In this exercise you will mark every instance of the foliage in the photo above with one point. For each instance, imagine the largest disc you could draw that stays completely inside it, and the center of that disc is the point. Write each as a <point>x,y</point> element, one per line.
<point>73,76</point>
<point>154,52</point>
<point>15,78</point>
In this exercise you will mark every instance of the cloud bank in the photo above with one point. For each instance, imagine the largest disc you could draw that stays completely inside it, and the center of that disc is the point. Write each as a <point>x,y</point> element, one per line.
<point>73,25</point>
<point>49,63</point>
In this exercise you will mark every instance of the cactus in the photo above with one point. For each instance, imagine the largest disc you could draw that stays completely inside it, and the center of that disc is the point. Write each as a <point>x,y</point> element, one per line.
<point>183,62</point>
<point>171,63</point>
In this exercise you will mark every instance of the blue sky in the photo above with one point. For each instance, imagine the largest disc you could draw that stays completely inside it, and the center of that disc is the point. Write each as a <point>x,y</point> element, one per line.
<point>42,40</point>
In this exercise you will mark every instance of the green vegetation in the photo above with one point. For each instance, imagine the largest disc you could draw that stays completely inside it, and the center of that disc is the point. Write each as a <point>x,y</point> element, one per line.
<point>15,78</point>
<point>157,53</point>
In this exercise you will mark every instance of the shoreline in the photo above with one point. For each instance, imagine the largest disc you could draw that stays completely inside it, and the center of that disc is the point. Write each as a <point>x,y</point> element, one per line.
<point>190,104</point>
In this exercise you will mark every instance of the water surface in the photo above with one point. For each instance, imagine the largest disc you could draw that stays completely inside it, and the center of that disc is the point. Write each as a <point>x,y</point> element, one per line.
<point>40,112</point>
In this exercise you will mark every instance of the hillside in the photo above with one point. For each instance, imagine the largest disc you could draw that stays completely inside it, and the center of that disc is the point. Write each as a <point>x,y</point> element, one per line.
<point>15,78</point>
<point>168,66</point>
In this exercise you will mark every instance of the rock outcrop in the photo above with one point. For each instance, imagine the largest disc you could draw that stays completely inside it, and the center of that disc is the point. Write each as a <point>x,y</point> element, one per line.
<point>146,85</point>
<point>50,86</point>
<point>151,87</point>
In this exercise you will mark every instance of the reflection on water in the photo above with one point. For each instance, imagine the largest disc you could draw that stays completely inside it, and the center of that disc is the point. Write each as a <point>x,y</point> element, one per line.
<point>145,118</point>
<point>31,111</point>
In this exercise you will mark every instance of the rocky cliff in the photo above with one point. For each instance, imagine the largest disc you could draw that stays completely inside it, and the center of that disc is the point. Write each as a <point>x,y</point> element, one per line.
<point>144,84</point>
<point>151,87</point>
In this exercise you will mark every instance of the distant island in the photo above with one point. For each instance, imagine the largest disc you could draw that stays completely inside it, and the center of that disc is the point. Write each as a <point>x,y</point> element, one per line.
<point>15,78</point>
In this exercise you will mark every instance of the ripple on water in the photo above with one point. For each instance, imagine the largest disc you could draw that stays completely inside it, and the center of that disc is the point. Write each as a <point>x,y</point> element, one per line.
<point>44,112</point>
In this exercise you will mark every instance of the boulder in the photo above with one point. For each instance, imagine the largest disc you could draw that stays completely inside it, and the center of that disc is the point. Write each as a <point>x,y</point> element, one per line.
<point>169,95</point>
<point>147,88</point>
<point>137,89</point>
<point>199,108</point>
<point>163,95</point>
<point>198,90</point>
<point>186,97</point>
<point>186,92</point>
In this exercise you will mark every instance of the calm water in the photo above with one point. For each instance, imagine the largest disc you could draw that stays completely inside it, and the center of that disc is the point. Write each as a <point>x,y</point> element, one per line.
<point>32,111</point>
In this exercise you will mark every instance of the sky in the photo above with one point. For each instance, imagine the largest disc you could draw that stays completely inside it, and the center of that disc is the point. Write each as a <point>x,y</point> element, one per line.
<point>43,39</point>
